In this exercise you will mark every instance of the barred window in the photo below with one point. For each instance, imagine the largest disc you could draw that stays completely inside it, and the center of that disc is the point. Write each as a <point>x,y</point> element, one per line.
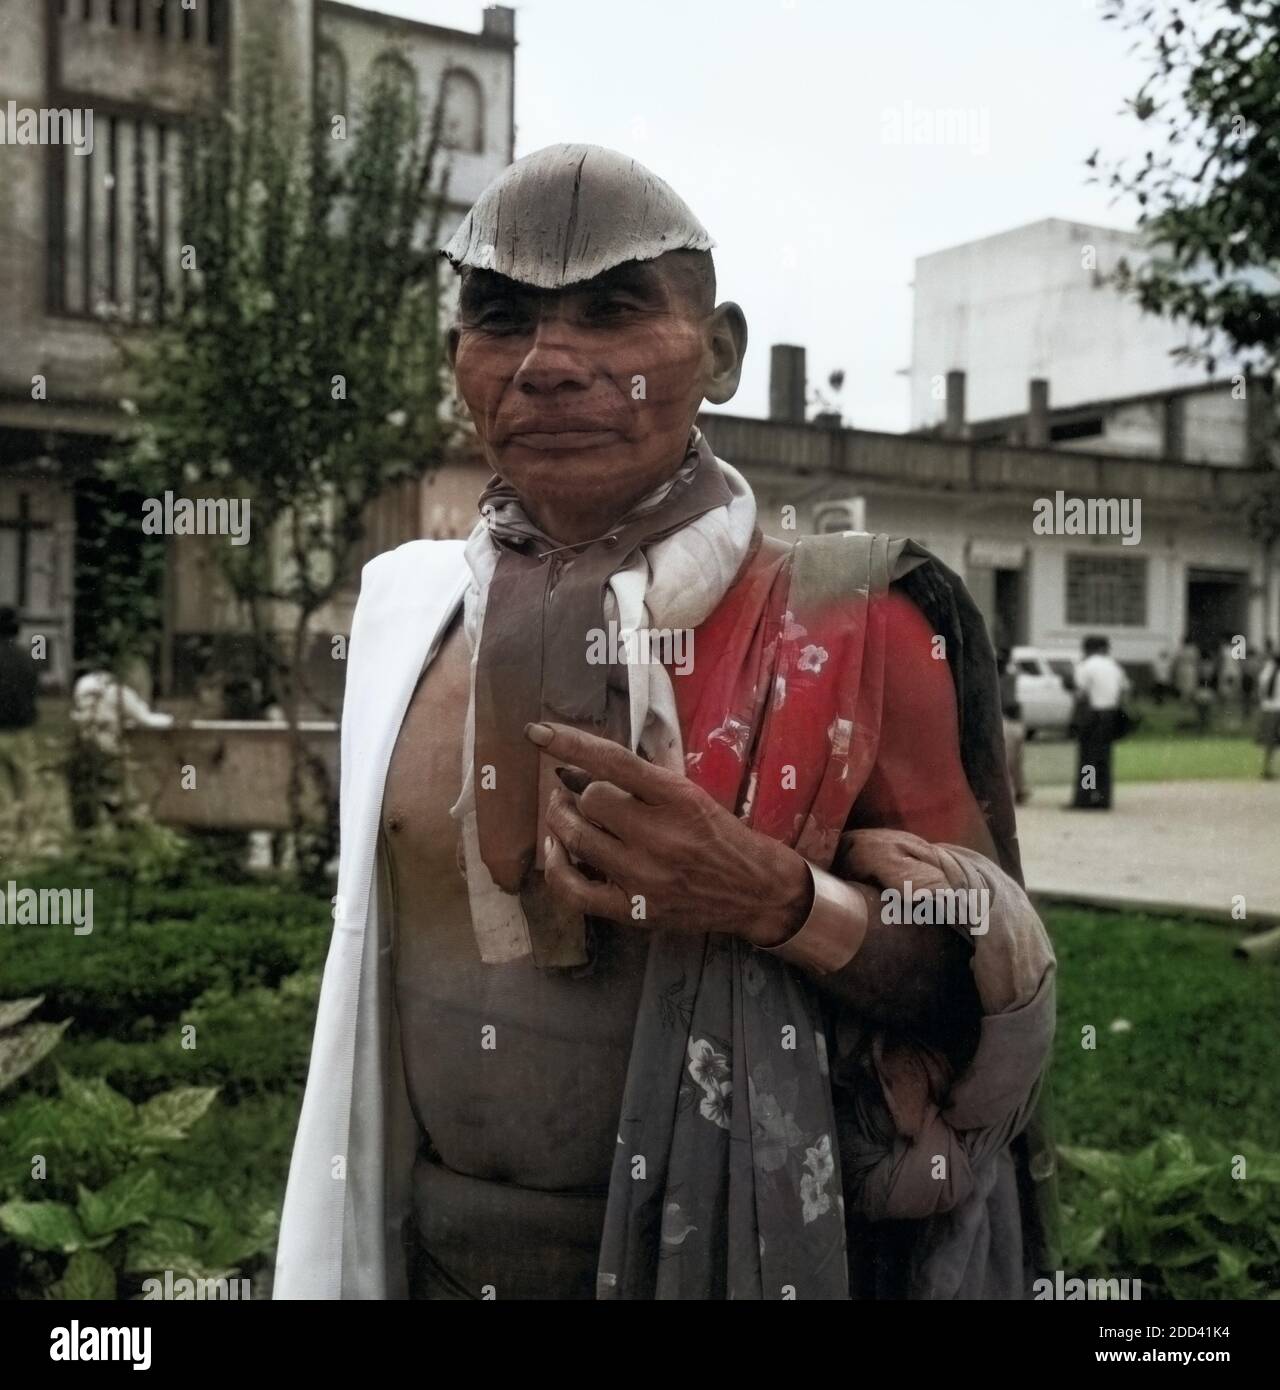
<point>117,236</point>
<point>1106,591</point>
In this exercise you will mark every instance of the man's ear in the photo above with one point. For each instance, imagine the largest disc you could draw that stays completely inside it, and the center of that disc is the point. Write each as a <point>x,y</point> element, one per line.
<point>726,338</point>
<point>451,345</point>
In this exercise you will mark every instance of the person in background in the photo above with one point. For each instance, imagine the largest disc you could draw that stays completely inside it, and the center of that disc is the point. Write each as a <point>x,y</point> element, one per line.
<point>1101,686</point>
<point>1205,699</point>
<point>1269,710</point>
<point>101,709</point>
<point>1250,669</point>
<point>1186,670</point>
<point>1162,676</point>
<point>1230,680</point>
<point>18,677</point>
<point>1015,731</point>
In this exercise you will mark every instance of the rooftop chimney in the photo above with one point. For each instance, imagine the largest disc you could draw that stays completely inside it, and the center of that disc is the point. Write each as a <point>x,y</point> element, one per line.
<point>499,22</point>
<point>786,383</point>
<point>953,427</point>
<point>1038,413</point>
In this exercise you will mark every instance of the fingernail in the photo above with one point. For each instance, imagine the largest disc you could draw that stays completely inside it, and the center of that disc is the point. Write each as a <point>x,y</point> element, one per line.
<point>548,845</point>
<point>541,734</point>
<point>574,778</point>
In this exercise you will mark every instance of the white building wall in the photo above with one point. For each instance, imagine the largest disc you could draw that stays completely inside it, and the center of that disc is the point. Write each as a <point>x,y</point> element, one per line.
<point>431,54</point>
<point>951,525</point>
<point>1031,302</point>
<point>1216,427</point>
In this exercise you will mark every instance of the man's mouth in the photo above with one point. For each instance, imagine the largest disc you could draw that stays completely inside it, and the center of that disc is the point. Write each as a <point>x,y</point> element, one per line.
<point>553,440</point>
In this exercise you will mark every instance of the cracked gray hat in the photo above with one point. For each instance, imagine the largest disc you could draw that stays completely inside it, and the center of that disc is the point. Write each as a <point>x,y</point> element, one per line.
<point>569,212</point>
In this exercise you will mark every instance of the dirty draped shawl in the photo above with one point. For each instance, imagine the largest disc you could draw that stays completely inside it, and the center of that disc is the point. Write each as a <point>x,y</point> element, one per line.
<point>728,1177</point>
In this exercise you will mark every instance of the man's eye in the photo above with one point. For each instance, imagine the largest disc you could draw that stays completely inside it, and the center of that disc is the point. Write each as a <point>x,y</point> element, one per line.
<point>500,318</point>
<point>612,307</point>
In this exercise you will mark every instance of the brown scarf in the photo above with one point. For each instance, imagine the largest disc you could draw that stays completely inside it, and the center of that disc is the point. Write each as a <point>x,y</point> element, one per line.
<point>532,663</point>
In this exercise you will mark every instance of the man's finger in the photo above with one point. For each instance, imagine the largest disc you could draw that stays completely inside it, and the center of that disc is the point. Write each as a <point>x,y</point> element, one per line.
<point>604,759</point>
<point>580,893</point>
<point>582,839</point>
<point>616,811</point>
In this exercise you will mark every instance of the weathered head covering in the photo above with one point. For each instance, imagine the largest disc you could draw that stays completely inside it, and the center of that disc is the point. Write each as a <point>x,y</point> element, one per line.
<point>569,212</point>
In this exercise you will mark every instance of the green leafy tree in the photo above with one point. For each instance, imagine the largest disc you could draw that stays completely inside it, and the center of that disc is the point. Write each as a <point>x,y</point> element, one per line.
<point>298,364</point>
<point>1207,194</point>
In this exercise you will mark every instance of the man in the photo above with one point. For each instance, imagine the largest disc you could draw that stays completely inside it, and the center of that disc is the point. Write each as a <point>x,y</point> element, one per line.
<point>611,1008</point>
<point>18,677</point>
<point>1269,710</point>
<point>102,708</point>
<point>1015,731</point>
<point>1101,685</point>
<point>1162,676</point>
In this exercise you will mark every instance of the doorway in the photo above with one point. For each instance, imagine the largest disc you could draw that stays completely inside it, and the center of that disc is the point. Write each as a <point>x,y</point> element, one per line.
<point>1217,606</point>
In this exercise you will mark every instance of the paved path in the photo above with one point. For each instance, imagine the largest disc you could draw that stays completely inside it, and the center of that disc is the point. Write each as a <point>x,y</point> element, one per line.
<point>1190,845</point>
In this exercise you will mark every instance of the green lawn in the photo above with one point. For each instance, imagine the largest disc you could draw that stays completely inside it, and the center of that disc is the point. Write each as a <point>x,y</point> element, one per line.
<point>1200,1053</point>
<point>1184,758</point>
<point>1155,758</point>
<point>1170,1124</point>
<point>238,963</point>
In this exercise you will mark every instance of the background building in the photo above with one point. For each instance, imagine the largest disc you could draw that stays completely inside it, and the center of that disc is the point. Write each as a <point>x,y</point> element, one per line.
<point>70,246</point>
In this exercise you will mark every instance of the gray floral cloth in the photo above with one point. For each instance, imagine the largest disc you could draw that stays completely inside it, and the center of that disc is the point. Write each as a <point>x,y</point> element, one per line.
<point>747,1125</point>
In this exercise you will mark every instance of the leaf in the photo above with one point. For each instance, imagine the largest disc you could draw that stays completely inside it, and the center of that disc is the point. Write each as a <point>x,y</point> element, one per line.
<point>128,1200</point>
<point>13,1011</point>
<point>165,1243</point>
<point>1099,1164</point>
<point>1233,1264</point>
<point>87,1276</point>
<point>1176,1147</point>
<point>95,1099</point>
<point>232,1245</point>
<point>1177,1177</point>
<point>21,1051</point>
<point>1084,1246</point>
<point>171,1114</point>
<point>43,1225</point>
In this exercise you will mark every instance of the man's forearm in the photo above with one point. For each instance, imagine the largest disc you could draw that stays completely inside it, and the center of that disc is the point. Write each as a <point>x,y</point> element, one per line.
<point>908,976</point>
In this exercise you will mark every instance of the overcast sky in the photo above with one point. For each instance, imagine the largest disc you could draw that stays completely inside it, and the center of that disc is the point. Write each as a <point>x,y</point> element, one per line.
<point>776,121</point>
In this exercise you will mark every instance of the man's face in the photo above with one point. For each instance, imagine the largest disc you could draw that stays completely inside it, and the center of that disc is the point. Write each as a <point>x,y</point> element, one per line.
<point>583,397</point>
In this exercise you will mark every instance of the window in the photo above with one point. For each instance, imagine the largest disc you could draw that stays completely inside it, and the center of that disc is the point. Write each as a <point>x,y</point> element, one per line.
<point>392,69</point>
<point>462,120</point>
<point>1076,429</point>
<point>331,81</point>
<point>116,240</point>
<point>1106,591</point>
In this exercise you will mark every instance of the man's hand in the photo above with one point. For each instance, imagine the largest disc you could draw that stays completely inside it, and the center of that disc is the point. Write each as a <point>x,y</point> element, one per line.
<point>672,856</point>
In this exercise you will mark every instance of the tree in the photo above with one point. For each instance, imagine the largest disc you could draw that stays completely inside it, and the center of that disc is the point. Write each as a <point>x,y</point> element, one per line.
<point>1209,196</point>
<point>298,362</point>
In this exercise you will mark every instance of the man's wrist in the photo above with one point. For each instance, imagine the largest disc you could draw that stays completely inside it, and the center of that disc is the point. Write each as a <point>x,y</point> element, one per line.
<point>787,906</point>
<point>833,930</point>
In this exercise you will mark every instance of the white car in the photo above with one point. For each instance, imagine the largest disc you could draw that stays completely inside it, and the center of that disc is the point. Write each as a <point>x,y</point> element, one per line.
<point>1042,693</point>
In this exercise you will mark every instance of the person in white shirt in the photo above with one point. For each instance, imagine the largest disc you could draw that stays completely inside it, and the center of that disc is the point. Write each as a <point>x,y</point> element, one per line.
<point>101,709</point>
<point>1101,686</point>
<point>1269,711</point>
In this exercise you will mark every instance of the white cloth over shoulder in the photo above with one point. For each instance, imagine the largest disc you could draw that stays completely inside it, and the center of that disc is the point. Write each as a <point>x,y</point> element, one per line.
<point>340,1233</point>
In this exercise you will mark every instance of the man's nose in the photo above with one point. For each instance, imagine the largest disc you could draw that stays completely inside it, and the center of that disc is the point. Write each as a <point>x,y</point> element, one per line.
<point>553,362</point>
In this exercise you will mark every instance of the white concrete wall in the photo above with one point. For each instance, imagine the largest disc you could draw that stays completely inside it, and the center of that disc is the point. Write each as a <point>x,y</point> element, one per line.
<point>362,41</point>
<point>1171,546</point>
<point>1024,303</point>
<point>1216,428</point>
